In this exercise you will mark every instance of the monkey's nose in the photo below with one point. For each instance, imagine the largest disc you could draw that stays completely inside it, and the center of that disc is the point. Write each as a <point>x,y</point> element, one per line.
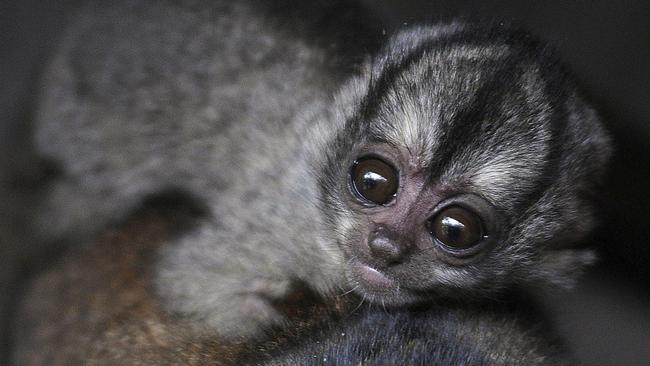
<point>385,248</point>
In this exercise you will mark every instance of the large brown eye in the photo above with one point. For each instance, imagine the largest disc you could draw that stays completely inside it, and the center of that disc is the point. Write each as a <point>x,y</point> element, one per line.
<point>374,180</point>
<point>457,228</point>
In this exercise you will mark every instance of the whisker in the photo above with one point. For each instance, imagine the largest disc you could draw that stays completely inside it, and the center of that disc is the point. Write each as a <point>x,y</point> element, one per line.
<point>349,291</point>
<point>358,306</point>
<point>383,305</point>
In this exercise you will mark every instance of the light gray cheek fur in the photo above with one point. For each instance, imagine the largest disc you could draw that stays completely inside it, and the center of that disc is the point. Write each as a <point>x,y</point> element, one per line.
<point>144,97</point>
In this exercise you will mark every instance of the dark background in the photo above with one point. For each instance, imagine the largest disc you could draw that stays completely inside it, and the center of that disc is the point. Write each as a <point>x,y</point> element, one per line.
<point>606,321</point>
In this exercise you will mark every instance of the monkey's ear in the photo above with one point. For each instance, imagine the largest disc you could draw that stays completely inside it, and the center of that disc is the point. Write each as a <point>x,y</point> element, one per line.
<point>562,268</point>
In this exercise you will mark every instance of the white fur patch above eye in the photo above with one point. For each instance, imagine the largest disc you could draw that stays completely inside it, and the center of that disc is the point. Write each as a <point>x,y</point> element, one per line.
<point>500,176</point>
<point>413,129</point>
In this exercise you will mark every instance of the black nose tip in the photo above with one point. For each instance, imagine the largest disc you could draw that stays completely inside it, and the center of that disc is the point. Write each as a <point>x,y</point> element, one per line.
<point>385,248</point>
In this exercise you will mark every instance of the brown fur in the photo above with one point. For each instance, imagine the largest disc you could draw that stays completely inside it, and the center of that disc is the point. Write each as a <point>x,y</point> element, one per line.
<point>96,306</point>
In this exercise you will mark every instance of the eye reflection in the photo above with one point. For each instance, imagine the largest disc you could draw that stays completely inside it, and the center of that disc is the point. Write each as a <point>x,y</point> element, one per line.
<point>372,179</point>
<point>453,228</point>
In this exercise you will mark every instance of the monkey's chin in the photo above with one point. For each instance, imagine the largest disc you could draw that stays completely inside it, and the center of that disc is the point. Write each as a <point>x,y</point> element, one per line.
<point>377,287</point>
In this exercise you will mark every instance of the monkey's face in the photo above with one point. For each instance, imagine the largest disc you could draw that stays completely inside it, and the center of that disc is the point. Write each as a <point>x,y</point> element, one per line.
<point>409,235</point>
<point>460,170</point>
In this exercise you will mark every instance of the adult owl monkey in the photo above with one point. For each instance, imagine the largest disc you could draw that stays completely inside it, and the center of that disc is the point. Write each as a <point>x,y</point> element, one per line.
<point>452,161</point>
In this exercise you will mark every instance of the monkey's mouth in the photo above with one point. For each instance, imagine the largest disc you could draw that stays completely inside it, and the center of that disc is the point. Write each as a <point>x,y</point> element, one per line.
<point>372,279</point>
<point>378,287</point>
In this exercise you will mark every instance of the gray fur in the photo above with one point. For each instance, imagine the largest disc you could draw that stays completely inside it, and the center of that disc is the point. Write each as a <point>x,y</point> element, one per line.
<point>260,120</point>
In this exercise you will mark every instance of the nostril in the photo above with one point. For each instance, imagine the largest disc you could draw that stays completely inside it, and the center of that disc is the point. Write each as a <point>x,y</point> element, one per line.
<point>384,248</point>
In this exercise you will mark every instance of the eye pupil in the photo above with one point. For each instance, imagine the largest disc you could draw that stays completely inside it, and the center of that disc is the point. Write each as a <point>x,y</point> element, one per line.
<point>374,180</point>
<point>457,227</point>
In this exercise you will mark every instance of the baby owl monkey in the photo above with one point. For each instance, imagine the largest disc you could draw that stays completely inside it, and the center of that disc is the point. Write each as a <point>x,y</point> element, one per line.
<point>448,161</point>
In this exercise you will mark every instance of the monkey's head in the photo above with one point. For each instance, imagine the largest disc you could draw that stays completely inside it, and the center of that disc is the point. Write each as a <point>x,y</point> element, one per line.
<point>462,162</point>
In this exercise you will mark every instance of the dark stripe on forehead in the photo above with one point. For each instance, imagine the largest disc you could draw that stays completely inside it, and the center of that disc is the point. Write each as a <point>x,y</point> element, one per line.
<point>476,117</point>
<point>379,87</point>
<point>390,73</point>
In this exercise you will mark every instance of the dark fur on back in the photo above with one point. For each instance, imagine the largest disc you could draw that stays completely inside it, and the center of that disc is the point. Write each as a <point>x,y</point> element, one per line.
<point>439,336</point>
